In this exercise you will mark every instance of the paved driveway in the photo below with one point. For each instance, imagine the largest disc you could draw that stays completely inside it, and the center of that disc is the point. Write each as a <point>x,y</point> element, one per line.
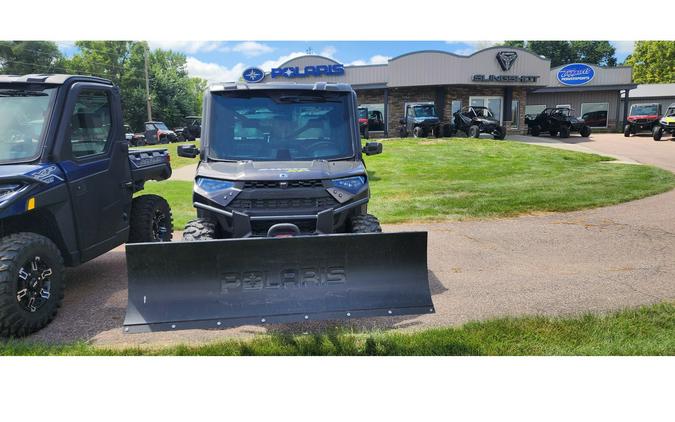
<point>554,264</point>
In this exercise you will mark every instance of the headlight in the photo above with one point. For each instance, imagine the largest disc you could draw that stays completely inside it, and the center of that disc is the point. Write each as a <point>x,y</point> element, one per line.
<point>213,185</point>
<point>350,184</point>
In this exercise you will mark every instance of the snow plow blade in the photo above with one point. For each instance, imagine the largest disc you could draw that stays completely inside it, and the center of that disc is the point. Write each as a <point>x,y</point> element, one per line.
<point>232,282</point>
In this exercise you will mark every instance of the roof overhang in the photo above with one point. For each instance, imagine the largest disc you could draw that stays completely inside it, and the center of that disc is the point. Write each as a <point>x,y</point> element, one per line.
<point>584,88</point>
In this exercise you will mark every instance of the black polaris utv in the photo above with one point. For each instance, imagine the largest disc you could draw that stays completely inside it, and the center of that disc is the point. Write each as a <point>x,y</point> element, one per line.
<point>67,180</point>
<point>192,129</point>
<point>474,120</point>
<point>420,121</point>
<point>557,121</point>
<point>280,159</point>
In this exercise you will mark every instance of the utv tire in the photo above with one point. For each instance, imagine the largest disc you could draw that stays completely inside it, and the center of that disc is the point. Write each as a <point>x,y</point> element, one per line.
<point>474,132</point>
<point>26,307</point>
<point>199,229</point>
<point>367,223</point>
<point>657,133</point>
<point>626,131</point>
<point>151,220</point>
<point>564,132</point>
<point>418,132</point>
<point>500,133</point>
<point>585,131</point>
<point>535,130</point>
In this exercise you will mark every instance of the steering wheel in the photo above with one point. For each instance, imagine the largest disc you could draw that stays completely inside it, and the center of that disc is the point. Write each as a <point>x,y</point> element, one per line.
<point>312,147</point>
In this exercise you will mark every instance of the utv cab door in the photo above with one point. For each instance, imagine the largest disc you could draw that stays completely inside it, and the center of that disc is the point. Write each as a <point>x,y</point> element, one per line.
<point>95,161</point>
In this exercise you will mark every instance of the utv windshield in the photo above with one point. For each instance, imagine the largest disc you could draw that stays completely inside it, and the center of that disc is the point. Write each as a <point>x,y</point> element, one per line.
<point>363,113</point>
<point>161,126</point>
<point>23,114</point>
<point>670,112</point>
<point>425,111</point>
<point>280,126</point>
<point>644,110</point>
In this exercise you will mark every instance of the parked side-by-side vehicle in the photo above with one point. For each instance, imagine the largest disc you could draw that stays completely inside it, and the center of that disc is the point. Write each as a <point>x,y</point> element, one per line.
<point>67,185</point>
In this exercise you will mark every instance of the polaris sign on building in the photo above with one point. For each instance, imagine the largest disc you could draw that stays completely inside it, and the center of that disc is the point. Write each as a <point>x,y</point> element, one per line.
<point>510,81</point>
<point>318,70</point>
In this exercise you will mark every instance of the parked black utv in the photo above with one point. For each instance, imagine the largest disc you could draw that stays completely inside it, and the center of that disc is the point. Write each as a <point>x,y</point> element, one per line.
<point>474,120</point>
<point>558,121</point>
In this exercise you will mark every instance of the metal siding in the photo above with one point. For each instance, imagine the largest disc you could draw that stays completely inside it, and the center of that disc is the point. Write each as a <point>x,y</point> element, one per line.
<point>603,76</point>
<point>439,68</point>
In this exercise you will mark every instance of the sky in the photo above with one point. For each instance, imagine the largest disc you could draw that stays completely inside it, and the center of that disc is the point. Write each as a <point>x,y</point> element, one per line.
<point>220,61</point>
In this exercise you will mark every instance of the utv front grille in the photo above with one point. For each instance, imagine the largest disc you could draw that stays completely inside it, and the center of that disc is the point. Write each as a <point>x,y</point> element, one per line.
<point>315,204</point>
<point>260,228</point>
<point>315,183</point>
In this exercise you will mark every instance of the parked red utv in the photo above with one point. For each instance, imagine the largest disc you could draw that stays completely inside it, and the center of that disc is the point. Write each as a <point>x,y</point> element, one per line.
<point>642,117</point>
<point>363,122</point>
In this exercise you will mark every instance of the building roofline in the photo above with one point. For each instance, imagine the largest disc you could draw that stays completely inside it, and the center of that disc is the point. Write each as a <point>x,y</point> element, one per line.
<point>496,47</point>
<point>307,55</point>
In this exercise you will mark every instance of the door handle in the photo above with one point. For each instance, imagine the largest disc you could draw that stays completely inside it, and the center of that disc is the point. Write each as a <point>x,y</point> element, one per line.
<point>128,185</point>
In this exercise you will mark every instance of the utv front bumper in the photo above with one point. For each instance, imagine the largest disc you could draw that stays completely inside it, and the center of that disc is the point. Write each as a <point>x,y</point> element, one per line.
<point>252,209</point>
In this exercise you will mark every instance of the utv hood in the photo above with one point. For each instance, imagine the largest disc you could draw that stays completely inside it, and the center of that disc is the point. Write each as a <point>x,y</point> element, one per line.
<point>280,170</point>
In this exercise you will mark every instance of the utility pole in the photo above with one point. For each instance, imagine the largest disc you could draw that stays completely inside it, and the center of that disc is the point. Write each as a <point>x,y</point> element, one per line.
<point>147,86</point>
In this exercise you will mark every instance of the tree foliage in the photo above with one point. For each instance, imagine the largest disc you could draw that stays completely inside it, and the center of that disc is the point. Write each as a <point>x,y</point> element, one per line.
<point>564,52</point>
<point>173,93</point>
<point>653,62</point>
<point>23,57</point>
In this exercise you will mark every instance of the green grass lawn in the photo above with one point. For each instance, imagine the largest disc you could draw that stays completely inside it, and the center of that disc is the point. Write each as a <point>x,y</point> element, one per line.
<point>176,161</point>
<point>649,330</point>
<point>431,179</point>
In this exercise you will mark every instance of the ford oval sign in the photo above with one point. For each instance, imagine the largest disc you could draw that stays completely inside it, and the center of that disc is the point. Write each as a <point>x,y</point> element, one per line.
<point>575,74</point>
<point>253,75</point>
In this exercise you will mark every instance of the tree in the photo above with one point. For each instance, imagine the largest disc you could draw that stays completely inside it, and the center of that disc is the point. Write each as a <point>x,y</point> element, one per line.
<point>653,62</point>
<point>564,52</point>
<point>173,93</point>
<point>24,57</point>
<point>102,58</point>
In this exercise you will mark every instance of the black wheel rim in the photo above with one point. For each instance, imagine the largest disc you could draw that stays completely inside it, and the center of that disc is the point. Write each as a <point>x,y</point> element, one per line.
<point>34,284</point>
<point>160,229</point>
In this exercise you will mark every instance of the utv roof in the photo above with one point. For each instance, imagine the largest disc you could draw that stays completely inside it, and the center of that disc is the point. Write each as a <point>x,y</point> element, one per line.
<point>318,86</point>
<point>54,79</point>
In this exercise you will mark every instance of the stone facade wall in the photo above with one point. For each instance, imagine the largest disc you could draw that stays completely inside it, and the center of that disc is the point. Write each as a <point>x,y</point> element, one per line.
<point>399,96</point>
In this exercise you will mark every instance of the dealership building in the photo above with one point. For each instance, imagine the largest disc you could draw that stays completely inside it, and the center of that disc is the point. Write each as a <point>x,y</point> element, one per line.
<point>512,82</point>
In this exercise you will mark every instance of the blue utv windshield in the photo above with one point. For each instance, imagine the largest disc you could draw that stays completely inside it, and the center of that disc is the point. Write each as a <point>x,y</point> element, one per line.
<point>281,126</point>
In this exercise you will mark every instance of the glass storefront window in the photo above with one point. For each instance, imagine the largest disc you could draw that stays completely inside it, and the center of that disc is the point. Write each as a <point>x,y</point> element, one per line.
<point>375,116</point>
<point>595,114</point>
<point>493,103</point>
<point>533,110</point>
<point>515,114</point>
<point>456,106</point>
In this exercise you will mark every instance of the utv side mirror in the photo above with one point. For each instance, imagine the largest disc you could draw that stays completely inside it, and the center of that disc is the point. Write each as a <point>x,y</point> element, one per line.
<point>372,148</point>
<point>187,151</point>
